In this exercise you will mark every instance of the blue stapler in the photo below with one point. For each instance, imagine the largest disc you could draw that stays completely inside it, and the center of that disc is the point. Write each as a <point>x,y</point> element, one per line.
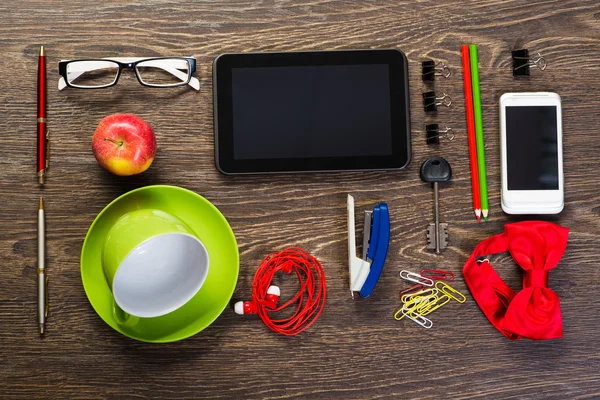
<point>365,271</point>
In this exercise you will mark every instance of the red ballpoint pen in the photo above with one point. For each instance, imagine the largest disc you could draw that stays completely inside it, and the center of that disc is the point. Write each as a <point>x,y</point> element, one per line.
<point>42,133</point>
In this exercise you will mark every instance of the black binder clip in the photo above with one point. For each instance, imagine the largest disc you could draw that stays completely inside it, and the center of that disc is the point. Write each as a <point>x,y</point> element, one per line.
<point>434,133</point>
<point>430,101</point>
<point>522,62</point>
<point>431,69</point>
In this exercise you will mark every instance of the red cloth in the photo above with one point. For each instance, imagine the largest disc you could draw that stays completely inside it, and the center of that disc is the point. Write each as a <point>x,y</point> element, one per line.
<point>534,312</point>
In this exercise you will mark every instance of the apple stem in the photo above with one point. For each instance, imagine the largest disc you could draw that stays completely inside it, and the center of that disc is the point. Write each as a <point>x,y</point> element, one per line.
<point>119,143</point>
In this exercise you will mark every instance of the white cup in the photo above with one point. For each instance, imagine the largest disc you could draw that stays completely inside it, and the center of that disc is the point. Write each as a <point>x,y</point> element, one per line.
<point>151,273</point>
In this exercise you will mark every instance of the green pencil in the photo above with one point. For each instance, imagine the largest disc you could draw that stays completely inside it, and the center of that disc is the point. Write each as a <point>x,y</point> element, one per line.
<point>479,130</point>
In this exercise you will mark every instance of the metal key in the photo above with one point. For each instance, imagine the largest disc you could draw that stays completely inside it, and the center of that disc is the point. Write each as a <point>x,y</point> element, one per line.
<point>436,169</point>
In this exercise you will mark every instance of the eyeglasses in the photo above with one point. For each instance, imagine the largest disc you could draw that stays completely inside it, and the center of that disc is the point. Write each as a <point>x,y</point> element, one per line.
<point>159,72</point>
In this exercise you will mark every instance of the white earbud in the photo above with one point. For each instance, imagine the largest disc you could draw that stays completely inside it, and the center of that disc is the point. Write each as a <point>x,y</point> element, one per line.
<point>272,297</point>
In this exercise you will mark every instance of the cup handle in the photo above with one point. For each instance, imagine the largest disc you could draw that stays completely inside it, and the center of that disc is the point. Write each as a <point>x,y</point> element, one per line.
<point>123,318</point>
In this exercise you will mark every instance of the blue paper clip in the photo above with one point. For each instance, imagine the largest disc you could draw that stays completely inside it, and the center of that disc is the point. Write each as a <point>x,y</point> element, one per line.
<point>365,272</point>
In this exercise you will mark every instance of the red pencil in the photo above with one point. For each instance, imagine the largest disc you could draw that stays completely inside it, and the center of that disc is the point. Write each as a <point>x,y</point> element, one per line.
<point>471,131</point>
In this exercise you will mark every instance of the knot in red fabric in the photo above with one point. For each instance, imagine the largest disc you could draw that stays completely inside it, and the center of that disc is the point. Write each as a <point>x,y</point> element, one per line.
<point>534,312</point>
<point>535,278</point>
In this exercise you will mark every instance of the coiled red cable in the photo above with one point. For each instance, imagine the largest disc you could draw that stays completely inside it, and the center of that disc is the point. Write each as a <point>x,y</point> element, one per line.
<point>310,299</point>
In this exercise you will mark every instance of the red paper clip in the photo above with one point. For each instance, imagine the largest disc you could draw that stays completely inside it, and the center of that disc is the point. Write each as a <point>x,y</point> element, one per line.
<point>413,289</point>
<point>437,274</point>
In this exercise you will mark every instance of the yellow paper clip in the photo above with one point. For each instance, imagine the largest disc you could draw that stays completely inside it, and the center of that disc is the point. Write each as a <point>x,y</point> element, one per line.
<point>423,293</point>
<point>406,308</point>
<point>450,291</point>
<point>413,301</point>
<point>440,301</point>
<point>430,300</point>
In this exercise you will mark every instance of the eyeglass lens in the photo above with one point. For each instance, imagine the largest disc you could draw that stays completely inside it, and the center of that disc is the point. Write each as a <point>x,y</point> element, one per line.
<point>164,72</point>
<point>91,74</point>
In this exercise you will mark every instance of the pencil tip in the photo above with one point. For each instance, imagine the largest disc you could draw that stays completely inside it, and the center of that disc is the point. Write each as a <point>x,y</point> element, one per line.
<point>41,203</point>
<point>41,50</point>
<point>41,329</point>
<point>478,218</point>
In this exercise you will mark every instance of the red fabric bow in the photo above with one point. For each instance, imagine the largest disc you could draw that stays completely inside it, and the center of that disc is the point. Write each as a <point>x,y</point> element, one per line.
<point>534,312</point>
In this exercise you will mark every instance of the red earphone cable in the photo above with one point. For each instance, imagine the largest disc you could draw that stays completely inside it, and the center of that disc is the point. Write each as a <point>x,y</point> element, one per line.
<point>310,299</point>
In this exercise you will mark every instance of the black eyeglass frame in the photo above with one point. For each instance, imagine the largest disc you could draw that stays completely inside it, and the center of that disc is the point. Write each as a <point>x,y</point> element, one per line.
<point>62,70</point>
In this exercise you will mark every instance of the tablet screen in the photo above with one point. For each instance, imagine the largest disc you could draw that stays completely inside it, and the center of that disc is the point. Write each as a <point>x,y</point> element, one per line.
<point>324,111</point>
<point>311,111</point>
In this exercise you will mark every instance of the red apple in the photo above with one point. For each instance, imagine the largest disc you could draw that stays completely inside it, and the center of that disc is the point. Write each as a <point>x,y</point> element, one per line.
<point>124,144</point>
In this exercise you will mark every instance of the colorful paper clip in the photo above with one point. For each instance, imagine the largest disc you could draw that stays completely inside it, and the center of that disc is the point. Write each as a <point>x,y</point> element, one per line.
<point>437,274</point>
<point>426,303</point>
<point>419,319</point>
<point>410,306</point>
<point>414,288</point>
<point>450,291</point>
<point>418,301</point>
<point>426,309</point>
<point>411,276</point>
<point>423,294</point>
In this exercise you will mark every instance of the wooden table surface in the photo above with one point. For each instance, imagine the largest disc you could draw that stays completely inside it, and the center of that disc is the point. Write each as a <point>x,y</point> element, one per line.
<point>356,350</point>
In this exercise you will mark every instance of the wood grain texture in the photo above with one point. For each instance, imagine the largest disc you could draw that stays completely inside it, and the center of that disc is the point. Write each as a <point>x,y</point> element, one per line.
<point>356,350</point>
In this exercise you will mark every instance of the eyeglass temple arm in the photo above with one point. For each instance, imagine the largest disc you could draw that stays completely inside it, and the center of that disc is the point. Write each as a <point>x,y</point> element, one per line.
<point>162,64</point>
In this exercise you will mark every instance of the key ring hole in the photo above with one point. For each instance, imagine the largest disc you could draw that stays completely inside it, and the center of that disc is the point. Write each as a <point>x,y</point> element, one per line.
<point>436,162</point>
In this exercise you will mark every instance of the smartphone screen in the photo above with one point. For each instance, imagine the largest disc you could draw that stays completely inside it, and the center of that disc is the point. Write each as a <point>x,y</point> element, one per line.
<point>532,147</point>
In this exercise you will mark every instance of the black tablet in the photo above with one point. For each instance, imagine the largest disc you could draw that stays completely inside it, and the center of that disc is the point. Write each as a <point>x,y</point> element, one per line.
<point>311,111</point>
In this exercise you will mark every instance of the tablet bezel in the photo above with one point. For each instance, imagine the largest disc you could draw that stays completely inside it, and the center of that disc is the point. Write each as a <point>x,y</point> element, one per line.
<point>399,100</point>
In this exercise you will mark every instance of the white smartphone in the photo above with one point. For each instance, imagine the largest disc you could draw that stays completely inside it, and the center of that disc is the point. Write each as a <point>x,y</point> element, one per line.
<point>531,153</point>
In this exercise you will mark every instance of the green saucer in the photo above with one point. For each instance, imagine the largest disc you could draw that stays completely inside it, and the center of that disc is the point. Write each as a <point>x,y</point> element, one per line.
<point>210,227</point>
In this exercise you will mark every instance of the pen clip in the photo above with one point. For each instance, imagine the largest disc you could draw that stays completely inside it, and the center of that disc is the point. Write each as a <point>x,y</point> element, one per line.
<point>47,148</point>
<point>47,298</point>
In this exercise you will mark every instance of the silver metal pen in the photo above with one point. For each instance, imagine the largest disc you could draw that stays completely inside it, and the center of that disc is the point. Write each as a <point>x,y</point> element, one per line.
<point>42,280</point>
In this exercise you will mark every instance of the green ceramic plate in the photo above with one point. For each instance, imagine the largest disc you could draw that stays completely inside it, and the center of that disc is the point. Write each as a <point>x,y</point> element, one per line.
<point>211,228</point>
